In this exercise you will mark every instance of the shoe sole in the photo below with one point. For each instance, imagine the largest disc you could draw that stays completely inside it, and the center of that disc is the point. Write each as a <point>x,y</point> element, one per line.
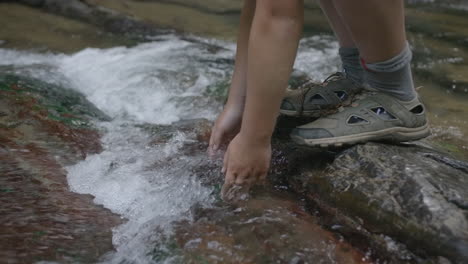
<point>394,134</point>
<point>294,113</point>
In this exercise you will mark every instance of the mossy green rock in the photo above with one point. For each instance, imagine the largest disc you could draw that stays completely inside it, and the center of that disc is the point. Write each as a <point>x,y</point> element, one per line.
<point>64,105</point>
<point>43,128</point>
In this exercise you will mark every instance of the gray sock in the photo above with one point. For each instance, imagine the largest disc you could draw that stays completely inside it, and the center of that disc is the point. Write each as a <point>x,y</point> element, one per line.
<point>392,76</point>
<point>352,64</point>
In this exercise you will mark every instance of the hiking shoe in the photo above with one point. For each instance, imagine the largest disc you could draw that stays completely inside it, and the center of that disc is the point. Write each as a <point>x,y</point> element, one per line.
<point>315,100</point>
<point>375,117</point>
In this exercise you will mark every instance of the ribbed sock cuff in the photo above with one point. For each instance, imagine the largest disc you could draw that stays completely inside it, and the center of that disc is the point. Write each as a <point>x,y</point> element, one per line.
<point>392,76</point>
<point>392,65</point>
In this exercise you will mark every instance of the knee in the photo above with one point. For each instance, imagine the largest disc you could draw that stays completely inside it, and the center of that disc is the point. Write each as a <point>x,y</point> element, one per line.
<point>281,9</point>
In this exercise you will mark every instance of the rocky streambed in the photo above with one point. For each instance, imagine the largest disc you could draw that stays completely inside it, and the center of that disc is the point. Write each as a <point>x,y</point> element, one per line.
<point>103,155</point>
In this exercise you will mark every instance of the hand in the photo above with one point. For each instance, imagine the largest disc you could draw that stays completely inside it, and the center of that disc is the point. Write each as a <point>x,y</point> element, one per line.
<point>227,125</point>
<point>246,163</point>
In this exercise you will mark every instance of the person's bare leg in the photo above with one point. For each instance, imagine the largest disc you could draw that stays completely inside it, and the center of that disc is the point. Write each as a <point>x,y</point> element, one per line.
<point>273,43</point>
<point>348,52</point>
<point>336,22</point>
<point>301,102</point>
<point>378,29</point>
<point>229,121</point>
<point>237,92</point>
<point>274,39</point>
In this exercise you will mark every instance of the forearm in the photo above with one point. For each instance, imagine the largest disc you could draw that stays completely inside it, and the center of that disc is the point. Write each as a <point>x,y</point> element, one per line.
<point>272,50</point>
<point>237,91</point>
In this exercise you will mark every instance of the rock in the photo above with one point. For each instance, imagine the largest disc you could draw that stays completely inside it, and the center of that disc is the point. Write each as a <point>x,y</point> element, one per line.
<point>269,228</point>
<point>182,16</point>
<point>208,6</point>
<point>409,193</point>
<point>56,119</point>
<point>35,3</point>
<point>450,4</point>
<point>108,20</point>
<point>44,127</point>
<point>60,101</point>
<point>52,33</point>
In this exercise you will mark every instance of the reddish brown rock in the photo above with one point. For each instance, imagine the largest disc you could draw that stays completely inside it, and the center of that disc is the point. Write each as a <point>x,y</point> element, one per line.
<point>40,219</point>
<point>269,228</point>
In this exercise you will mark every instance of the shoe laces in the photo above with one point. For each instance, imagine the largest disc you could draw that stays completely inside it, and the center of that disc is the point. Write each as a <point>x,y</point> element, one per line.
<point>334,77</point>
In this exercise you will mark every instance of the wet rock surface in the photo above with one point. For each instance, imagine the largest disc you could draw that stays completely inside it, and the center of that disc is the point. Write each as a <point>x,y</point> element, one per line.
<point>412,194</point>
<point>40,218</point>
<point>268,228</point>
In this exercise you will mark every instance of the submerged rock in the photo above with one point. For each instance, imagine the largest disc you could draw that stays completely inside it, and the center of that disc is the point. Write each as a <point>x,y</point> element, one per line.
<point>269,228</point>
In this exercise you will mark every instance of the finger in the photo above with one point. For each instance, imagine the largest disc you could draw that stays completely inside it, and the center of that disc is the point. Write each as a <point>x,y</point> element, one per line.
<point>227,187</point>
<point>210,144</point>
<point>215,139</point>
<point>211,153</point>
<point>244,179</point>
<point>225,162</point>
<point>237,193</point>
<point>225,191</point>
<point>230,177</point>
<point>261,177</point>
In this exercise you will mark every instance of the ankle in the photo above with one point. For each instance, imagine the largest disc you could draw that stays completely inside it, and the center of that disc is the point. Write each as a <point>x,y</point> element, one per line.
<point>352,64</point>
<point>392,76</point>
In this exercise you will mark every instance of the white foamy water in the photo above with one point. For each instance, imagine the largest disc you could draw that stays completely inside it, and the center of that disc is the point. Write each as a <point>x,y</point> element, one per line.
<point>158,83</point>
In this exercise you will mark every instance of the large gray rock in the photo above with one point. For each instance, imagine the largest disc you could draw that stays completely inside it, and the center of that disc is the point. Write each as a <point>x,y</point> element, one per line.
<point>412,194</point>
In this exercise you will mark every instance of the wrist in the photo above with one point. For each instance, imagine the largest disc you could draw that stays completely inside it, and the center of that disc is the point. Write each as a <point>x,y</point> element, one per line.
<point>235,105</point>
<point>256,138</point>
